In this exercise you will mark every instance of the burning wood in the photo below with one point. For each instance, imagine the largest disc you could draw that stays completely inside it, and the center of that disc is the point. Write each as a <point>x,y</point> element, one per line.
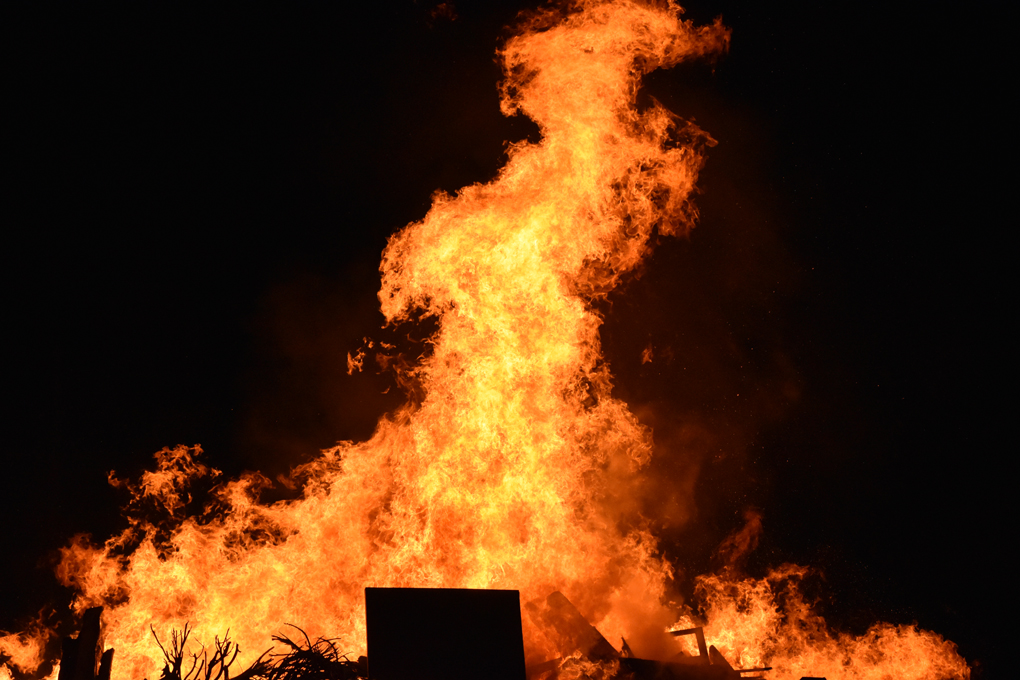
<point>578,638</point>
<point>699,633</point>
<point>319,660</point>
<point>575,634</point>
<point>83,657</point>
<point>479,635</point>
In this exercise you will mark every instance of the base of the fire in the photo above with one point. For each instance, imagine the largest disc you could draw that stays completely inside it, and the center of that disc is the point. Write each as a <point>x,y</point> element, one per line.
<point>585,654</point>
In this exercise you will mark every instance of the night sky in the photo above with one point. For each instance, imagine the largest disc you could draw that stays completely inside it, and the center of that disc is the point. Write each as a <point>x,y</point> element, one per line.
<point>196,201</point>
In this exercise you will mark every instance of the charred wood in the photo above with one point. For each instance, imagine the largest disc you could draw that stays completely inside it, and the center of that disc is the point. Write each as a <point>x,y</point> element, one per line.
<point>83,658</point>
<point>699,634</point>
<point>576,635</point>
<point>573,632</point>
<point>305,660</point>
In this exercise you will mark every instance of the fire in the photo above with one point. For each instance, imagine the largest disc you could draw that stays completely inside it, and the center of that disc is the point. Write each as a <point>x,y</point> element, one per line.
<point>503,474</point>
<point>749,627</point>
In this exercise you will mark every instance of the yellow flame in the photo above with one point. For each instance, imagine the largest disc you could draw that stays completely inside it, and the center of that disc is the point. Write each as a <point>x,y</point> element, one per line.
<point>746,623</point>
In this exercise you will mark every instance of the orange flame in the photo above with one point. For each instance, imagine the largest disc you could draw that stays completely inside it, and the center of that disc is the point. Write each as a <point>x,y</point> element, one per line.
<point>24,651</point>
<point>501,476</point>
<point>746,624</point>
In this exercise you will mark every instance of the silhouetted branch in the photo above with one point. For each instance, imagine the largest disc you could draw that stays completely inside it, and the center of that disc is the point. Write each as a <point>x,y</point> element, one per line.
<point>306,660</point>
<point>203,666</point>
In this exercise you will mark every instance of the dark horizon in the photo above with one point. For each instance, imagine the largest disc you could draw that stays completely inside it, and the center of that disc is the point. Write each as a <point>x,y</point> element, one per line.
<point>197,205</point>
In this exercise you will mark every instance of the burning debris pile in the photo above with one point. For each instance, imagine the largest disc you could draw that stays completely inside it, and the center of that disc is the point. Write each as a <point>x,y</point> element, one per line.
<point>480,638</point>
<point>475,633</point>
<point>85,657</point>
<point>512,467</point>
<point>586,653</point>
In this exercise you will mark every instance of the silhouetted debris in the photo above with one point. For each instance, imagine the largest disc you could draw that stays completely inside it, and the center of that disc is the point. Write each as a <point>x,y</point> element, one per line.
<point>319,660</point>
<point>699,634</point>
<point>204,666</point>
<point>716,657</point>
<point>572,630</point>
<point>586,654</point>
<point>444,634</point>
<point>582,645</point>
<point>307,660</point>
<point>83,658</point>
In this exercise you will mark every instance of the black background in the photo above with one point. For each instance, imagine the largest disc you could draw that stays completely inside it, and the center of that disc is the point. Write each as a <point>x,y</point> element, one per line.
<point>195,202</point>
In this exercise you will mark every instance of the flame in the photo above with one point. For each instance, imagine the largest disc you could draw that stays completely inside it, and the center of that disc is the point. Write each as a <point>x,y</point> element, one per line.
<point>23,651</point>
<point>503,473</point>
<point>747,624</point>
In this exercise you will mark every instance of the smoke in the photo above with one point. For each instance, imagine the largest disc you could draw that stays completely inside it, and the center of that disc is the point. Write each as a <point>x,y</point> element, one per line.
<point>735,548</point>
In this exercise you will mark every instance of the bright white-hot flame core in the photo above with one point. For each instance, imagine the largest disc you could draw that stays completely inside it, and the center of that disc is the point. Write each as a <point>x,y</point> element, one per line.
<point>499,476</point>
